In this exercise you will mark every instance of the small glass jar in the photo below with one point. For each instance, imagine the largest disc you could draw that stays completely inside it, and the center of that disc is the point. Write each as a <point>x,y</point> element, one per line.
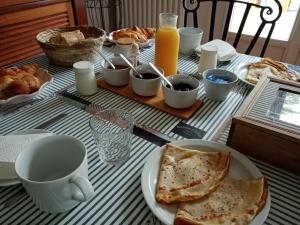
<point>86,83</point>
<point>208,58</point>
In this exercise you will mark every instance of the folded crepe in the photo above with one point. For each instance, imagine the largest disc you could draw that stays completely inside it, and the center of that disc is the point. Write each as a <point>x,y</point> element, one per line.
<point>225,50</point>
<point>187,174</point>
<point>234,202</point>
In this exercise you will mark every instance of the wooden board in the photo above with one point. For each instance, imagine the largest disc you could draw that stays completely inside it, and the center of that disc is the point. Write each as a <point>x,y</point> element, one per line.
<point>155,101</point>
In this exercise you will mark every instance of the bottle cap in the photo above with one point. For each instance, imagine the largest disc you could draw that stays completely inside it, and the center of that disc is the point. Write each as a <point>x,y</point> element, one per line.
<point>83,67</point>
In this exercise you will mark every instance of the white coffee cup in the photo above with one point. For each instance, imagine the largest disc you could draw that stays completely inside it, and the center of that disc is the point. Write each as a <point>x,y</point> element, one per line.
<point>190,39</point>
<point>54,172</point>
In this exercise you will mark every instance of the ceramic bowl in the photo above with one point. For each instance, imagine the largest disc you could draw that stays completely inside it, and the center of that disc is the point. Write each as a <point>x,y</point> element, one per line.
<point>218,91</point>
<point>145,87</point>
<point>181,99</point>
<point>116,77</point>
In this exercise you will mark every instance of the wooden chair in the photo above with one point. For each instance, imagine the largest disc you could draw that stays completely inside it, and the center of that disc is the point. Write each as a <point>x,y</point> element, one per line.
<point>20,21</point>
<point>192,6</point>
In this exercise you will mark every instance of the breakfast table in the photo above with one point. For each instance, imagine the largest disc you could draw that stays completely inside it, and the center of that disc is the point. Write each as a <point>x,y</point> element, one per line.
<point>118,195</point>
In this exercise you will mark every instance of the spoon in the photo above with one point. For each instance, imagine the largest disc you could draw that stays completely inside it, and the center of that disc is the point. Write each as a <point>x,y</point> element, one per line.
<point>106,59</point>
<point>161,75</point>
<point>131,66</point>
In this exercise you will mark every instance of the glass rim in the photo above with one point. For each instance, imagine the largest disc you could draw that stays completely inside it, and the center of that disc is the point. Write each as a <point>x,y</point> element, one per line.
<point>96,115</point>
<point>170,15</point>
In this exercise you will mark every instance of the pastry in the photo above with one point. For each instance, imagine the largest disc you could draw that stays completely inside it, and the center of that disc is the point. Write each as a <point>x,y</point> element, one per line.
<point>136,33</point>
<point>187,174</point>
<point>18,80</point>
<point>234,202</point>
<point>269,67</point>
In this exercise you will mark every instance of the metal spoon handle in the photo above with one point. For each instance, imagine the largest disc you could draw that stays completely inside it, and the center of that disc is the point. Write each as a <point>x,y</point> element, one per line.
<point>131,66</point>
<point>160,74</point>
<point>106,59</point>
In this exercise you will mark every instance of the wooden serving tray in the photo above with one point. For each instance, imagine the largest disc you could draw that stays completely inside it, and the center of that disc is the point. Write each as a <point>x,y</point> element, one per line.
<point>155,101</point>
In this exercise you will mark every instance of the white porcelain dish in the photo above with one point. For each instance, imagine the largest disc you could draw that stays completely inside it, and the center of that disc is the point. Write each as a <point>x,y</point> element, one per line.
<point>45,79</point>
<point>241,71</point>
<point>145,87</point>
<point>240,168</point>
<point>14,181</point>
<point>116,77</point>
<point>181,99</point>
<point>141,44</point>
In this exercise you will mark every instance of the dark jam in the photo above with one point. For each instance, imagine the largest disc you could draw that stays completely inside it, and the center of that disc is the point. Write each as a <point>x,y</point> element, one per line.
<point>181,87</point>
<point>118,67</point>
<point>218,79</point>
<point>148,76</point>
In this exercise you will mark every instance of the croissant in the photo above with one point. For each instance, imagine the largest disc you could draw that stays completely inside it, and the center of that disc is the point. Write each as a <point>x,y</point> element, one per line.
<point>137,33</point>
<point>15,81</point>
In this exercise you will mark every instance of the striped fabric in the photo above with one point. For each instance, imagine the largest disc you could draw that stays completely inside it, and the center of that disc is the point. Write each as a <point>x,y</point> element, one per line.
<point>119,198</point>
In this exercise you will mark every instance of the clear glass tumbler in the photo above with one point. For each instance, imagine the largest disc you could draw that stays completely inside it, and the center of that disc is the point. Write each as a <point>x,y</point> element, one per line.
<point>112,131</point>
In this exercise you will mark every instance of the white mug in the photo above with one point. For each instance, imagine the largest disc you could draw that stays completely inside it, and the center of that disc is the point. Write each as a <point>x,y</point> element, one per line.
<point>190,39</point>
<point>54,172</point>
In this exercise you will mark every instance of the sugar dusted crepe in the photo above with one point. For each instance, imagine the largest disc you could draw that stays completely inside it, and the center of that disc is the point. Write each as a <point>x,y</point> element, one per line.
<point>187,175</point>
<point>234,202</point>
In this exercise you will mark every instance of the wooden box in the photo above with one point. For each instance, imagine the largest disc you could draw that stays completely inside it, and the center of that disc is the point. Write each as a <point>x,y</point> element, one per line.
<point>267,126</point>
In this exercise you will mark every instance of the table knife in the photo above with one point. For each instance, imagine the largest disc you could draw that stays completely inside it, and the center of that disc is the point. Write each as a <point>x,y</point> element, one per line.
<point>140,130</point>
<point>51,121</point>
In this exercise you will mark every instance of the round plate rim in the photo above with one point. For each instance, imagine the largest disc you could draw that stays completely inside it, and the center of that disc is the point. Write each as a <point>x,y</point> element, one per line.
<point>207,144</point>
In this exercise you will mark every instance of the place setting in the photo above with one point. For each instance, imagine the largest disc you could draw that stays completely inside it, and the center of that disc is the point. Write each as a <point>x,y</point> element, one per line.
<point>155,121</point>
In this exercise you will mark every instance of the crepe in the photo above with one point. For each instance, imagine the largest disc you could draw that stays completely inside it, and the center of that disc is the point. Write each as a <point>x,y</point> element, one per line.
<point>234,202</point>
<point>269,67</point>
<point>187,175</point>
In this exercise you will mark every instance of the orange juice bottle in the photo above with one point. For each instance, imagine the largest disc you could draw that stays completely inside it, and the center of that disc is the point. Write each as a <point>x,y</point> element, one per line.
<point>167,44</point>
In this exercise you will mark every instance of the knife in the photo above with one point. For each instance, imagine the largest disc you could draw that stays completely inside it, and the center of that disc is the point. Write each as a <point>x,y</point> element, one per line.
<point>142,131</point>
<point>51,121</point>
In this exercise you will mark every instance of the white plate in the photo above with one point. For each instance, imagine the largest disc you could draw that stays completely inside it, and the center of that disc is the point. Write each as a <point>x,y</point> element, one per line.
<point>45,79</point>
<point>141,44</point>
<point>240,168</point>
<point>14,181</point>
<point>241,71</point>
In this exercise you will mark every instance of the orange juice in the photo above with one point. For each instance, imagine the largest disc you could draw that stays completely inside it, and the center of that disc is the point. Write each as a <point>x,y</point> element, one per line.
<point>166,49</point>
<point>167,44</point>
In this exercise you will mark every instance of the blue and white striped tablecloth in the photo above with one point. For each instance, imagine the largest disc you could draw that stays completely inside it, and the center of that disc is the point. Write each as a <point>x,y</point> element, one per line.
<point>119,198</point>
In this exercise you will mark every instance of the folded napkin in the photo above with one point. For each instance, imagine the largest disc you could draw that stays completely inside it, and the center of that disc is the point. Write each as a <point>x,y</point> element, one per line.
<point>10,147</point>
<point>225,50</point>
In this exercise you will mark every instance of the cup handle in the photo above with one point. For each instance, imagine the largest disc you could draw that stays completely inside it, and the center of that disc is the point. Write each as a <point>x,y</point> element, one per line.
<point>86,188</point>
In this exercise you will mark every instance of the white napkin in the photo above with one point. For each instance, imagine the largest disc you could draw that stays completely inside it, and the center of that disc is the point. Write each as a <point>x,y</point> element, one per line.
<point>10,147</point>
<point>225,50</point>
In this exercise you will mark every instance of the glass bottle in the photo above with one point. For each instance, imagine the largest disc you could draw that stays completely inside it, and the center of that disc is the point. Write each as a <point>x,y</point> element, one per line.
<point>167,44</point>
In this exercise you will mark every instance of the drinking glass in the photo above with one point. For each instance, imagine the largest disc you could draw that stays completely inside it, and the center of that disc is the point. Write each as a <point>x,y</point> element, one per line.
<point>112,131</point>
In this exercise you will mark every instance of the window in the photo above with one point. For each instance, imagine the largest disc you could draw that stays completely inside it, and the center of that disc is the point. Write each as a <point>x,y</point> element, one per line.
<point>283,26</point>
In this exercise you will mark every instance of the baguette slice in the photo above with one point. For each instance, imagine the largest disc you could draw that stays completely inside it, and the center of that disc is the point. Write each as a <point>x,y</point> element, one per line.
<point>187,175</point>
<point>234,202</point>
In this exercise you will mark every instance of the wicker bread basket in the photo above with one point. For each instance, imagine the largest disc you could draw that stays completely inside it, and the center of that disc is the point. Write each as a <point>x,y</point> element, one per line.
<point>65,55</point>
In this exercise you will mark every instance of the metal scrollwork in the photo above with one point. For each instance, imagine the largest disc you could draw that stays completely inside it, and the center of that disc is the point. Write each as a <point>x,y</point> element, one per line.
<point>191,5</point>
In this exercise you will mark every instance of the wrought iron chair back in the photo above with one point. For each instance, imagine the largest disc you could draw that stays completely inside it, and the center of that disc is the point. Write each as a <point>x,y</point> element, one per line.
<point>192,6</point>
